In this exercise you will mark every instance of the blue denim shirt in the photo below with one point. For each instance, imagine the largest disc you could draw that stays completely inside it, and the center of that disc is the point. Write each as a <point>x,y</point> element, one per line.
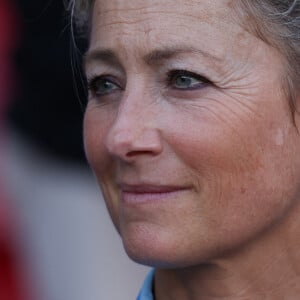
<point>146,292</point>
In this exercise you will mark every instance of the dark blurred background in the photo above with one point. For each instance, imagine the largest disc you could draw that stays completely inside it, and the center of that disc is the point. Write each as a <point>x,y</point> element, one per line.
<point>50,98</point>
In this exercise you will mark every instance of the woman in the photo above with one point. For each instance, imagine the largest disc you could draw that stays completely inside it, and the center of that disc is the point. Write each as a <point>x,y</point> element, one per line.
<point>192,130</point>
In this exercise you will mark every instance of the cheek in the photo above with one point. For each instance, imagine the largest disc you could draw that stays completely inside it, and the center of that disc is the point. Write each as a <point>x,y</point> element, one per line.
<point>245,179</point>
<point>211,149</point>
<point>95,130</point>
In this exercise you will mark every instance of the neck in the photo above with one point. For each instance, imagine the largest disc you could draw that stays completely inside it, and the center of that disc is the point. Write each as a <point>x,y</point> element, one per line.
<point>267,268</point>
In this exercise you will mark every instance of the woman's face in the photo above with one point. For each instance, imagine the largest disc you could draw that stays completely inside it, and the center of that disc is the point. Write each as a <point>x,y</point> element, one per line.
<point>187,129</point>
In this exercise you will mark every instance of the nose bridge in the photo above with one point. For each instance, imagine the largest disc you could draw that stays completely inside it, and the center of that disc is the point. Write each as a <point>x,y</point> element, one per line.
<point>129,122</point>
<point>133,130</point>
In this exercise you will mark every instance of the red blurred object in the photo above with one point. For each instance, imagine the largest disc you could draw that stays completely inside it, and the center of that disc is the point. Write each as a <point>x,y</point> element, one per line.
<point>8,37</point>
<point>12,282</point>
<point>12,276</point>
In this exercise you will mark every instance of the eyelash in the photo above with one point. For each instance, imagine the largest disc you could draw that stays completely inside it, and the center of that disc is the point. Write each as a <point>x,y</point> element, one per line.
<point>172,75</point>
<point>175,74</point>
<point>94,80</point>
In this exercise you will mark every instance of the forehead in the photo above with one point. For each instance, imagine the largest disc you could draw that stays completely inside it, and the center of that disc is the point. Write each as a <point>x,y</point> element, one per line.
<point>162,20</point>
<point>197,8</point>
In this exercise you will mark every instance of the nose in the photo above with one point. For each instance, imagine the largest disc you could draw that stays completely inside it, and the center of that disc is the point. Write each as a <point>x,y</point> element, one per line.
<point>134,132</point>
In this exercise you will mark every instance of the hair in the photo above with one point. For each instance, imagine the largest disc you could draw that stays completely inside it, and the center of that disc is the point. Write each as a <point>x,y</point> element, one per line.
<point>276,22</point>
<point>81,14</point>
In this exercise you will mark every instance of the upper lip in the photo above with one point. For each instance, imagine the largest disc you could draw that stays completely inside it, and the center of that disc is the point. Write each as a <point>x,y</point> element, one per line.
<point>150,188</point>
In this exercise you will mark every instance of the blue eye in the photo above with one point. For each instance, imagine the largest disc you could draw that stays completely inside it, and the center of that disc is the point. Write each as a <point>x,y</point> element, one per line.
<point>185,80</point>
<point>100,86</point>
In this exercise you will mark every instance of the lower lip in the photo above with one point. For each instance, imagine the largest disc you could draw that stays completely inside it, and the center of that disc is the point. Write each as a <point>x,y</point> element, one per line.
<point>149,197</point>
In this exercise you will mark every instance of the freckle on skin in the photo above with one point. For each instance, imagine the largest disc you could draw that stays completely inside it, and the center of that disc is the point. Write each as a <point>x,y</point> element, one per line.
<point>230,4</point>
<point>279,137</point>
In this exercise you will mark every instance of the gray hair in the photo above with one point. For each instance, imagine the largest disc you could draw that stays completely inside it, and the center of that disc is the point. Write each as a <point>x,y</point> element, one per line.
<point>81,14</point>
<point>277,22</point>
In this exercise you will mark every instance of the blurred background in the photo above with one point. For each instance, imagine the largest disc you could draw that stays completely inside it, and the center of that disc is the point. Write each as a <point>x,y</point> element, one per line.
<point>56,239</point>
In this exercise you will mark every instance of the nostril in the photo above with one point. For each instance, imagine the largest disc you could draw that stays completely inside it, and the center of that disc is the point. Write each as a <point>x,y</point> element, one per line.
<point>135,153</point>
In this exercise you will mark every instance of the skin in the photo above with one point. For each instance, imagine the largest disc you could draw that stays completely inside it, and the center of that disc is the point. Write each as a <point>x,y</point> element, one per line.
<point>228,149</point>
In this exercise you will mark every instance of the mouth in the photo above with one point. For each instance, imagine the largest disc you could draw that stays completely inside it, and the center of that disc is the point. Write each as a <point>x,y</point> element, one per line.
<point>138,194</point>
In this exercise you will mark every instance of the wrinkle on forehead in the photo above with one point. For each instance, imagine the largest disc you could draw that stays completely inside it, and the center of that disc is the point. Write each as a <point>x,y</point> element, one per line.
<point>134,28</point>
<point>131,12</point>
<point>153,18</point>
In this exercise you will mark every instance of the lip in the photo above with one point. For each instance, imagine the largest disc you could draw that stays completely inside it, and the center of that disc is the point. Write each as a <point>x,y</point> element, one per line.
<point>139,194</point>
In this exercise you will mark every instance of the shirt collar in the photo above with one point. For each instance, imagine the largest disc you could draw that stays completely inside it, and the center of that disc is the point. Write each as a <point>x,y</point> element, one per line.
<point>146,292</point>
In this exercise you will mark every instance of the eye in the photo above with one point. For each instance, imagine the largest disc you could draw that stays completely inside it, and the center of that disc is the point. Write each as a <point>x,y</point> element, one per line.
<point>186,80</point>
<point>102,85</point>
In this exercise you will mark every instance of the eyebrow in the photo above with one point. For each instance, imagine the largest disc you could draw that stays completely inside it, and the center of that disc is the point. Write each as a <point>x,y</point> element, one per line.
<point>159,55</point>
<point>105,56</point>
<point>155,57</point>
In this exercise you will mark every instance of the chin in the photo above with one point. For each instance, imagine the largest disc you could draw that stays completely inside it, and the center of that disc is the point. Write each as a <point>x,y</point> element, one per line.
<point>164,258</point>
<point>147,247</point>
<point>159,250</point>
<point>153,258</point>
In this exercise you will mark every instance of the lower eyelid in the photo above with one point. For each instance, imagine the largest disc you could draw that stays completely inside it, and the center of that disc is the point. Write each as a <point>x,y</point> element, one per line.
<point>189,93</point>
<point>105,99</point>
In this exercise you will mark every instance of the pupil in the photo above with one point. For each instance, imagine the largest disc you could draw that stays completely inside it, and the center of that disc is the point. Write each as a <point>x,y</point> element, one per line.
<point>183,80</point>
<point>105,85</point>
